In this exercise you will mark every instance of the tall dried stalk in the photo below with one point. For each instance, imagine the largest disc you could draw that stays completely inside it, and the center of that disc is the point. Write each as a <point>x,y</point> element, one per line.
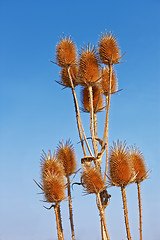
<point>140,210</point>
<point>70,208</point>
<point>102,215</point>
<point>95,132</point>
<point>79,123</point>
<point>92,119</point>
<point>125,212</point>
<point>59,222</point>
<point>105,137</point>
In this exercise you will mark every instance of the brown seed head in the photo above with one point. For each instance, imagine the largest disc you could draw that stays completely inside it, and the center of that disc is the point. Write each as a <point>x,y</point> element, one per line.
<point>92,180</point>
<point>66,155</point>
<point>65,80</point>
<point>139,165</point>
<point>98,102</point>
<point>120,168</point>
<point>50,165</point>
<point>88,66</point>
<point>109,50</point>
<point>54,188</point>
<point>65,52</point>
<point>105,82</point>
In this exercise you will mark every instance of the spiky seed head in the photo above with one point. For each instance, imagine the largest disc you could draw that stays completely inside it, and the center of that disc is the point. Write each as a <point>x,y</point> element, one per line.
<point>105,81</point>
<point>66,155</point>
<point>139,165</point>
<point>120,168</point>
<point>88,66</point>
<point>98,101</point>
<point>50,165</point>
<point>65,52</point>
<point>109,50</point>
<point>54,188</point>
<point>92,180</point>
<point>65,80</point>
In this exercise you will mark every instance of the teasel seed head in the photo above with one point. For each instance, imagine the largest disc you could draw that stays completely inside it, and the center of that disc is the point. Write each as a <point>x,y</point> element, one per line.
<point>66,155</point>
<point>98,101</point>
<point>139,164</point>
<point>65,52</point>
<point>109,50</point>
<point>92,180</point>
<point>105,81</point>
<point>65,80</point>
<point>50,165</point>
<point>53,187</point>
<point>120,168</point>
<point>88,66</point>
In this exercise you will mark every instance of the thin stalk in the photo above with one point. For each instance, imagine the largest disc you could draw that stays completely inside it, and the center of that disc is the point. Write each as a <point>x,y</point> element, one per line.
<point>92,118</point>
<point>105,137</point>
<point>70,208</point>
<point>140,210</point>
<point>59,222</point>
<point>79,122</point>
<point>102,216</point>
<point>95,131</point>
<point>125,212</point>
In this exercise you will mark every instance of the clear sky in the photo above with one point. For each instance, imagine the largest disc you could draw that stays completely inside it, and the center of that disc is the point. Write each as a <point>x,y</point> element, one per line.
<point>35,113</point>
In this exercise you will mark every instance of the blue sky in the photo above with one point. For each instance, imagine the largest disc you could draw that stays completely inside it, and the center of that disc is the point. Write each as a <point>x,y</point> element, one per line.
<point>36,113</point>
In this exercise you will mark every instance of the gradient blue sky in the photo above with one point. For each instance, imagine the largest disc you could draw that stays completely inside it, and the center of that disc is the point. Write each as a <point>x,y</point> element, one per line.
<point>35,113</point>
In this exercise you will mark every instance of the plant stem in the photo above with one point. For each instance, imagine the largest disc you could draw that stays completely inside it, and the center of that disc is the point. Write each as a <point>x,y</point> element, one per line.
<point>102,215</point>
<point>95,131</point>
<point>107,120</point>
<point>70,208</point>
<point>140,209</point>
<point>92,118</point>
<point>125,212</point>
<point>79,123</point>
<point>59,222</point>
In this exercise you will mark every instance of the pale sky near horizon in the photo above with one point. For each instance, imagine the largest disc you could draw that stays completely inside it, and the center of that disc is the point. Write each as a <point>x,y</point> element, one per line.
<point>36,113</point>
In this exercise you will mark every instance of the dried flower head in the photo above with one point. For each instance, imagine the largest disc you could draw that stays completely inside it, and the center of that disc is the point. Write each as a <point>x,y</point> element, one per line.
<point>109,50</point>
<point>50,165</point>
<point>54,188</point>
<point>98,102</point>
<point>88,66</point>
<point>65,80</point>
<point>120,168</point>
<point>105,82</point>
<point>139,165</point>
<point>92,180</point>
<point>65,52</point>
<point>66,155</point>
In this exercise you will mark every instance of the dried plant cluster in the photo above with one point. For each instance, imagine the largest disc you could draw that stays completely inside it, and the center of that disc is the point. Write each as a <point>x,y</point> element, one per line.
<point>93,71</point>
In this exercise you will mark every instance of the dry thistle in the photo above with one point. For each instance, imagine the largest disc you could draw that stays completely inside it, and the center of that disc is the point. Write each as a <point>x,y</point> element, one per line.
<point>139,165</point>
<point>65,80</point>
<point>88,66</point>
<point>109,50</point>
<point>66,155</point>
<point>105,82</point>
<point>49,164</point>
<point>65,52</point>
<point>98,102</point>
<point>54,187</point>
<point>92,180</point>
<point>120,168</point>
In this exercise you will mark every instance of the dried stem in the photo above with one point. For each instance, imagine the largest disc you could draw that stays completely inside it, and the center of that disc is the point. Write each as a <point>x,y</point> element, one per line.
<point>125,212</point>
<point>59,222</point>
<point>70,208</point>
<point>92,118</point>
<point>140,209</point>
<point>102,215</point>
<point>105,137</point>
<point>79,123</point>
<point>95,131</point>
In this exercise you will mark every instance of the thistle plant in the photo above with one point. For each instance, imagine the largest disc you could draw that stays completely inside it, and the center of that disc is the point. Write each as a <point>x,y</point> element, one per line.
<point>92,70</point>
